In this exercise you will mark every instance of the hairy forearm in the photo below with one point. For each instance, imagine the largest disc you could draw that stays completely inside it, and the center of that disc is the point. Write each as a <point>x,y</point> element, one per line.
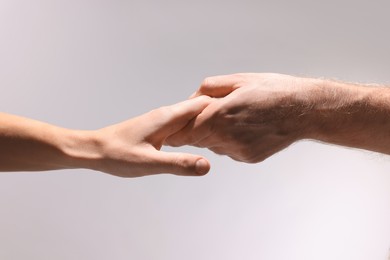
<point>351,115</point>
<point>29,145</point>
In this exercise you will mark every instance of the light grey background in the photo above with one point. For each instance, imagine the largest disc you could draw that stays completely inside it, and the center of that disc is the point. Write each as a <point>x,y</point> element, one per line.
<point>86,64</point>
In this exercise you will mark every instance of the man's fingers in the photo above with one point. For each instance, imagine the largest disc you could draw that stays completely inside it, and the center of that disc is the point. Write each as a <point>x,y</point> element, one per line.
<point>185,136</point>
<point>170,119</point>
<point>197,129</point>
<point>218,86</point>
<point>181,163</point>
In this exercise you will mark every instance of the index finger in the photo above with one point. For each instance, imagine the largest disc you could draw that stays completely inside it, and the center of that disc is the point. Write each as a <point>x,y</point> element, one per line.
<point>196,130</point>
<point>170,119</point>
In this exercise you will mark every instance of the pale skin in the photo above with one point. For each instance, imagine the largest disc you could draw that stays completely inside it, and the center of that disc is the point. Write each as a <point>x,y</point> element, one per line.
<point>128,149</point>
<point>256,115</point>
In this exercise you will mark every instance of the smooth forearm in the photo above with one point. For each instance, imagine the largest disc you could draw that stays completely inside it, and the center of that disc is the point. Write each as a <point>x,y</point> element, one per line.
<point>127,149</point>
<point>29,145</point>
<point>351,115</point>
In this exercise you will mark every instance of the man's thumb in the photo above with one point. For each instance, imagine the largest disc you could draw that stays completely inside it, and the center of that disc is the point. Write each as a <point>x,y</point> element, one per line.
<point>182,163</point>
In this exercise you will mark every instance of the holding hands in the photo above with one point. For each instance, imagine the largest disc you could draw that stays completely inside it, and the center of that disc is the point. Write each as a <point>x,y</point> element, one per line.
<point>252,117</point>
<point>248,117</point>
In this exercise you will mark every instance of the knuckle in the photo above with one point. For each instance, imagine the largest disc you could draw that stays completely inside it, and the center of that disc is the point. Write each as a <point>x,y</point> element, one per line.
<point>183,162</point>
<point>207,83</point>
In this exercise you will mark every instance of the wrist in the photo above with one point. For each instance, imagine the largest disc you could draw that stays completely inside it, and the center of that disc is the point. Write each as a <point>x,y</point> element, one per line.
<point>81,149</point>
<point>335,109</point>
<point>304,103</point>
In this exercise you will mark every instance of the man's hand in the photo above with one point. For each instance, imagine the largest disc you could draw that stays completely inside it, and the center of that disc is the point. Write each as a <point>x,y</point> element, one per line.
<point>258,115</point>
<point>127,149</point>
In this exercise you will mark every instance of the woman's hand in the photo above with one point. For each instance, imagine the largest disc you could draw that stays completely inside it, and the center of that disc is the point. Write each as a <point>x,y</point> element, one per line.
<point>127,149</point>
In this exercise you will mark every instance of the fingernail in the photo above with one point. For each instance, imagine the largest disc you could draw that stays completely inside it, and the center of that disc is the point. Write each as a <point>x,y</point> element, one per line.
<point>202,166</point>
